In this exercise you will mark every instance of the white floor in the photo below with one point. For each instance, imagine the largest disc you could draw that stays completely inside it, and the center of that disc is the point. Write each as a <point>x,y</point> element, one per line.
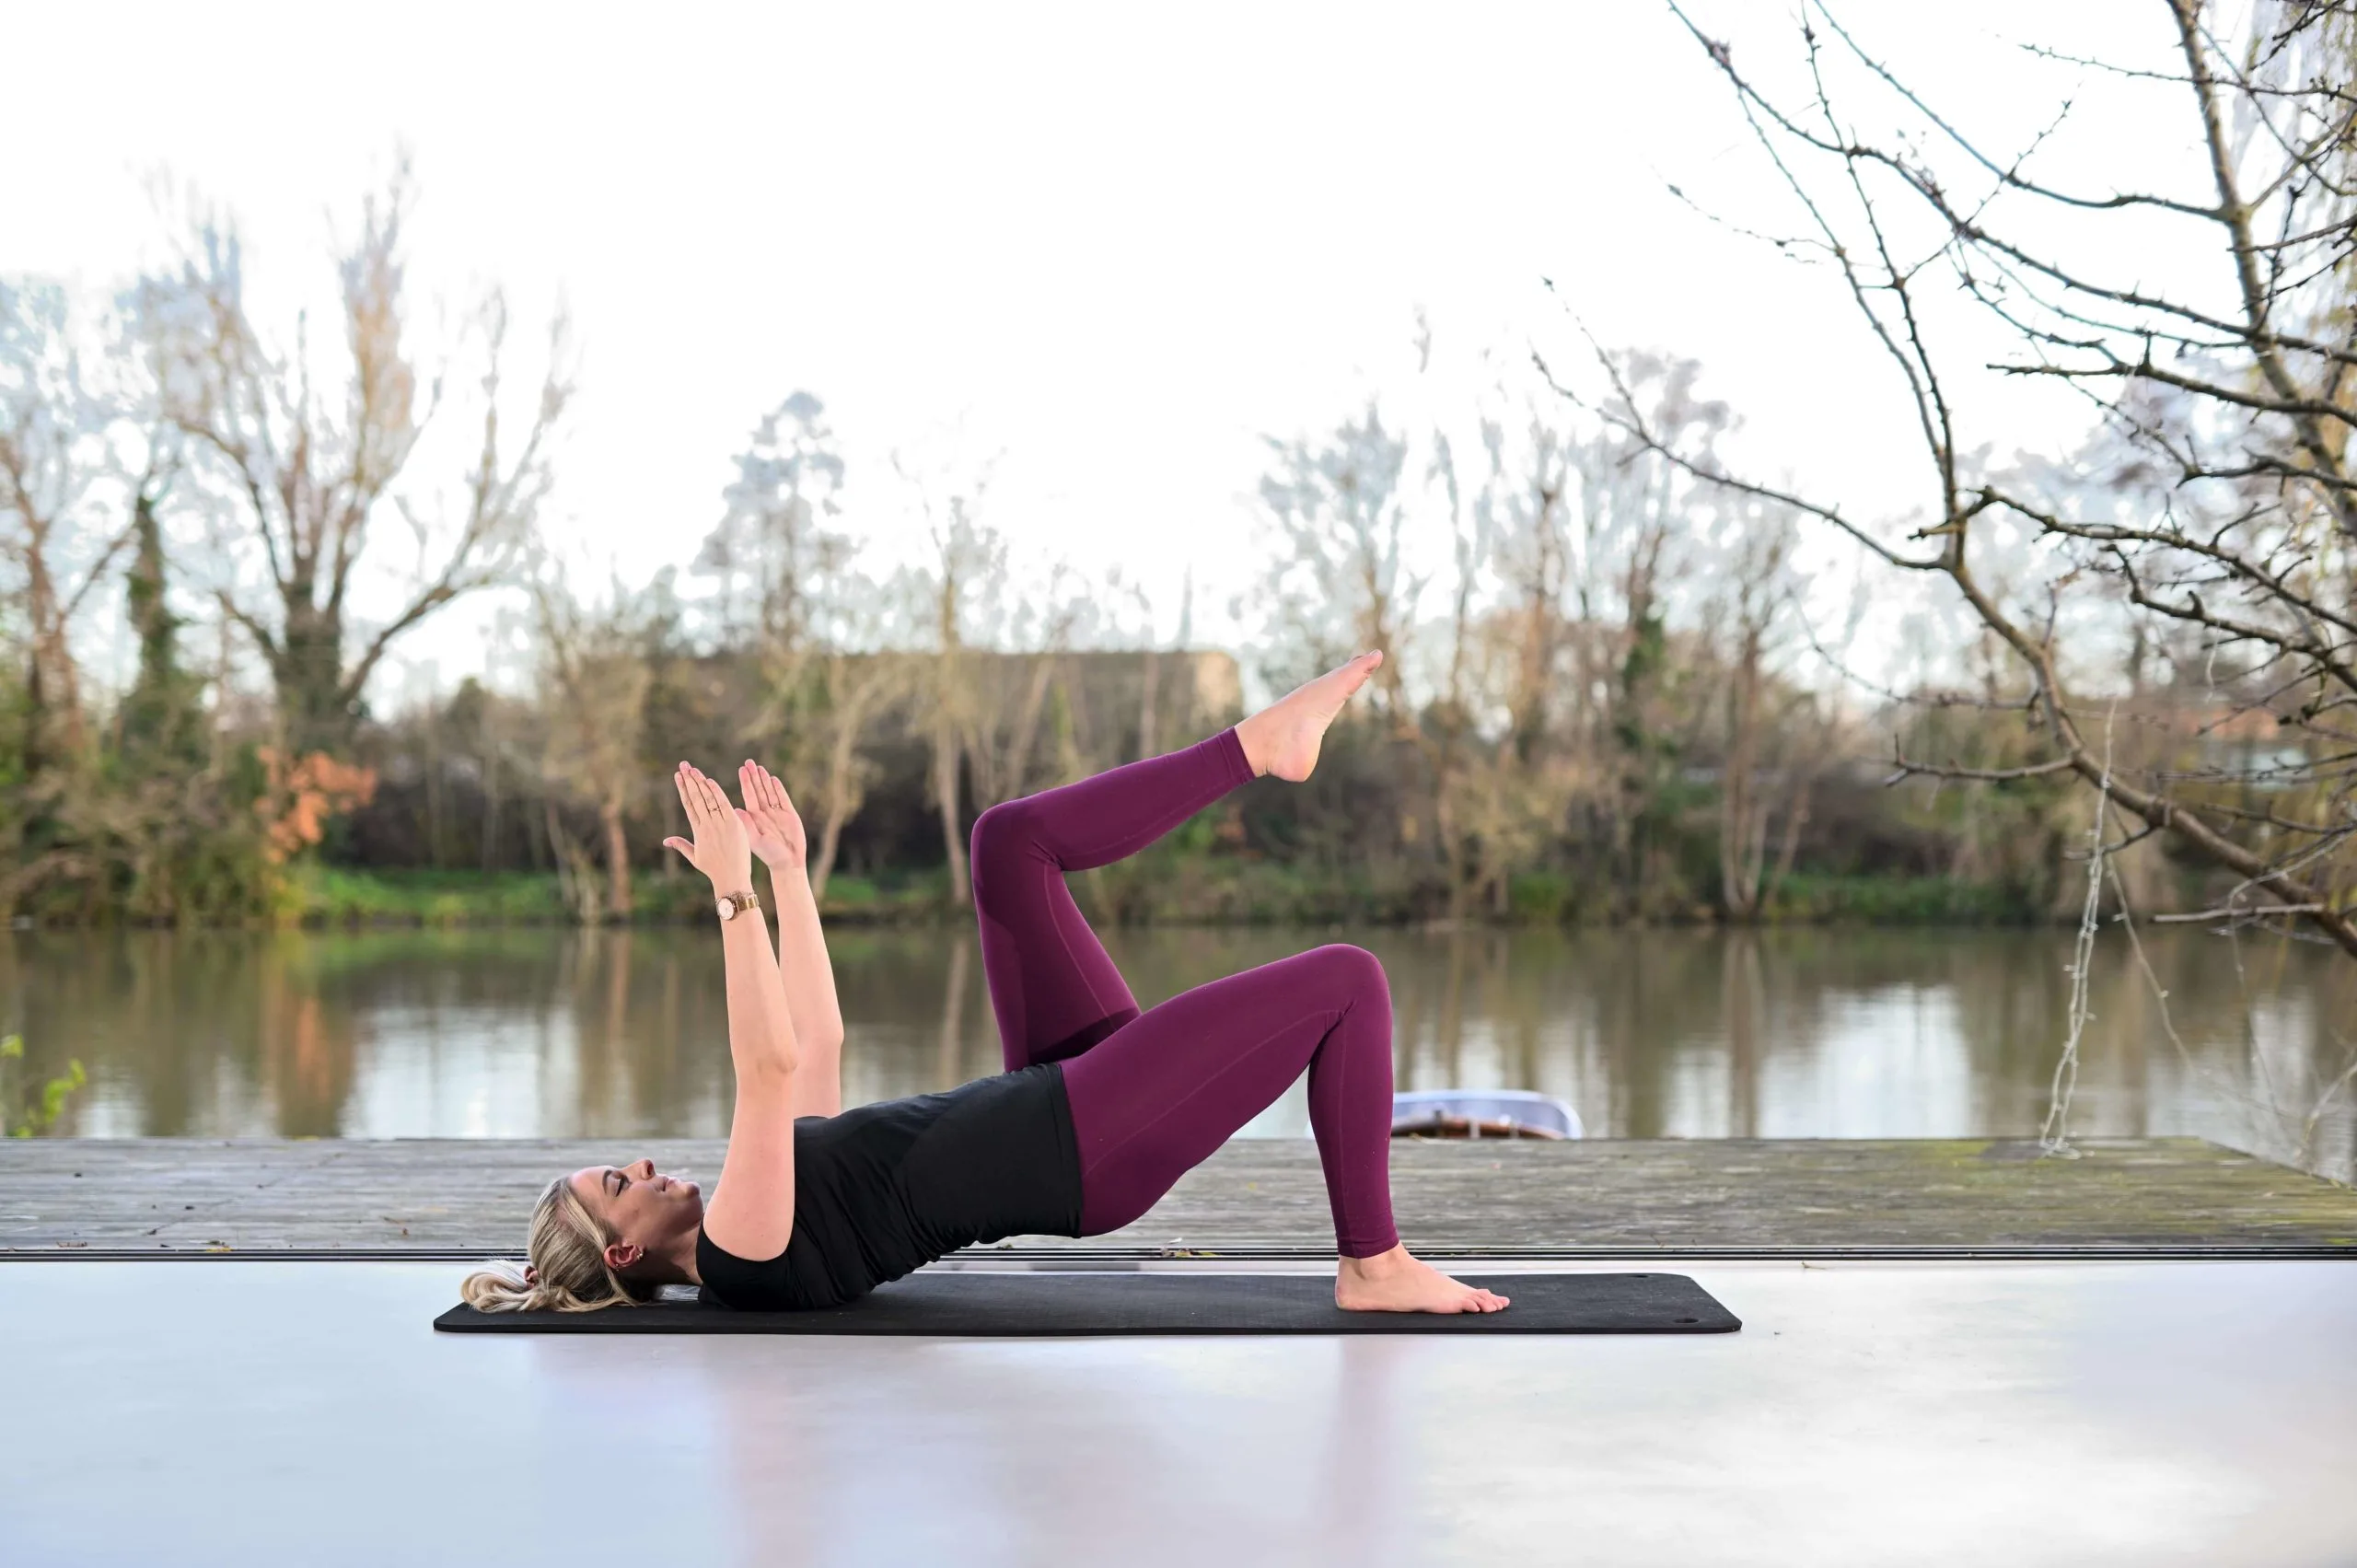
<point>2087,1414</point>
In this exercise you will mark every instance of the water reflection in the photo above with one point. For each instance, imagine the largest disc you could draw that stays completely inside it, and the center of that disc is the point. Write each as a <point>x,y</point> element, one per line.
<point>1651,1034</point>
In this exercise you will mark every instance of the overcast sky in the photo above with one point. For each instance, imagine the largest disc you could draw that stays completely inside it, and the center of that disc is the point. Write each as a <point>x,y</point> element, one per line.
<point>1116,244</point>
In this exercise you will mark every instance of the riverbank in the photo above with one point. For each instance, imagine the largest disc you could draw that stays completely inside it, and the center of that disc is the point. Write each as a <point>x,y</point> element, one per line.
<point>332,898</point>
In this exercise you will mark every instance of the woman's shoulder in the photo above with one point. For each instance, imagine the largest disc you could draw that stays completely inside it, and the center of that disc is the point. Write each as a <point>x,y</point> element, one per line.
<point>711,1256</point>
<point>746,1283</point>
<point>796,1279</point>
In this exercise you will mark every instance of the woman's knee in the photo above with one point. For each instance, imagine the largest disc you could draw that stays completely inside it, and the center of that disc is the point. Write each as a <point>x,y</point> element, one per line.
<point>1350,969</point>
<point>1002,834</point>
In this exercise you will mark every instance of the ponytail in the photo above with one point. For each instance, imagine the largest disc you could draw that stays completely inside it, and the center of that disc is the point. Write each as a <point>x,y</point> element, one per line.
<point>568,1271</point>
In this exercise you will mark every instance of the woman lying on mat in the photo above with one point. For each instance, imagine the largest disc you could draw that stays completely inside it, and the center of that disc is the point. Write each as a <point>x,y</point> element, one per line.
<point>1102,1107</point>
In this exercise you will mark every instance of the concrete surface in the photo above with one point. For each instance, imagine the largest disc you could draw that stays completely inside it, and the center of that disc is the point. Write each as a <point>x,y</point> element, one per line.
<point>1873,1413</point>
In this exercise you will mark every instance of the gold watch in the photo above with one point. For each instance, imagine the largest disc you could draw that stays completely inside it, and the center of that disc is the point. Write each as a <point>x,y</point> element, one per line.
<point>732,903</point>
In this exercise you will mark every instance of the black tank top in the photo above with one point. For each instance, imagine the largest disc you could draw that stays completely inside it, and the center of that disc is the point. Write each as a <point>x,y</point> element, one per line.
<point>884,1189</point>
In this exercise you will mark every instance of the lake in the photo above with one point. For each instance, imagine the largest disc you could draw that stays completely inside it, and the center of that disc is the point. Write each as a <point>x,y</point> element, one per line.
<point>1837,1033</point>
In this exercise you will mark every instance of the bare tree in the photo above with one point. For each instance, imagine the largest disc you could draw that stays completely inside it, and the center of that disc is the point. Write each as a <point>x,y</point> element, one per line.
<point>1754,593</point>
<point>53,454</point>
<point>822,699</point>
<point>1003,731</point>
<point>594,662</point>
<point>1507,633</point>
<point>1448,736</point>
<point>787,593</point>
<point>310,471</point>
<point>968,571</point>
<point>858,687</point>
<point>1533,554</point>
<point>1149,674</point>
<point>1638,520</point>
<point>2227,399</point>
<point>1343,583</point>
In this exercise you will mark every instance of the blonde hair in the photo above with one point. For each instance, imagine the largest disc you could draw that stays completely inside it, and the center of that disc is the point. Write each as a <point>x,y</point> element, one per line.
<point>568,1272</point>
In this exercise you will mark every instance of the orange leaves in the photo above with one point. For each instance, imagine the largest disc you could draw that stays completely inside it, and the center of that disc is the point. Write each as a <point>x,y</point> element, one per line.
<point>301,796</point>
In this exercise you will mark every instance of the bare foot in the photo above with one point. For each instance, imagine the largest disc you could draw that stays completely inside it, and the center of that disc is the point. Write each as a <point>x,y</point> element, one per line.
<point>1283,738</point>
<point>1395,1282</point>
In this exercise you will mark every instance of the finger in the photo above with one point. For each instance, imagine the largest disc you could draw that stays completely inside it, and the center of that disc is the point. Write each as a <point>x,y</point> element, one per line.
<point>687,851</point>
<point>687,792</point>
<point>745,817</point>
<point>715,804</point>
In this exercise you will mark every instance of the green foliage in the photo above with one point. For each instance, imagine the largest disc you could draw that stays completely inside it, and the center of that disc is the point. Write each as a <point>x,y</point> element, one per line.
<point>342,896</point>
<point>107,840</point>
<point>326,895</point>
<point>845,892</point>
<point>1902,900</point>
<point>1648,653</point>
<point>1539,896</point>
<point>30,1114</point>
<point>160,723</point>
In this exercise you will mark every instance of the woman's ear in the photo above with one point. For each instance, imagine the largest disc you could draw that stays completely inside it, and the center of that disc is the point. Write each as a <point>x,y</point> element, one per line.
<point>620,1255</point>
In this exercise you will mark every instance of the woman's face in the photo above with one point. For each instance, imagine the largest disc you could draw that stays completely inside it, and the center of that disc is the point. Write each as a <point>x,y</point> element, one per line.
<point>647,1211</point>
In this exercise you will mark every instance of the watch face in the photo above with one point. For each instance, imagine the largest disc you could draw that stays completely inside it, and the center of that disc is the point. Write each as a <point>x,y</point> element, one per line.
<point>727,908</point>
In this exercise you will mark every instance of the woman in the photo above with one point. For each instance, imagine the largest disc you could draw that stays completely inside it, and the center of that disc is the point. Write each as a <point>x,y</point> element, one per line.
<point>1102,1107</point>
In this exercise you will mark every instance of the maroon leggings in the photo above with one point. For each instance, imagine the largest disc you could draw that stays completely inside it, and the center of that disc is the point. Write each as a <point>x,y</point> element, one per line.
<point>1153,1093</point>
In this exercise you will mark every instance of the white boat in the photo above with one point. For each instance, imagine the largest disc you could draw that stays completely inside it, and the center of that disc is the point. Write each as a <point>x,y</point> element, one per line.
<point>1482,1113</point>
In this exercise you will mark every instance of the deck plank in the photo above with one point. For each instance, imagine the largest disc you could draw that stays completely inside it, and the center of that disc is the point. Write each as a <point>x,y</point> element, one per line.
<point>1256,1197</point>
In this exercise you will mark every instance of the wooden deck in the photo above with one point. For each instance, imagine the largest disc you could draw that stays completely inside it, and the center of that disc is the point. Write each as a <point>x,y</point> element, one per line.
<point>1258,1197</point>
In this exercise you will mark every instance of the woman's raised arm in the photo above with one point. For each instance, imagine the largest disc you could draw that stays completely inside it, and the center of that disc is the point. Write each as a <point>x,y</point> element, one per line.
<point>750,1213</point>
<point>778,839</point>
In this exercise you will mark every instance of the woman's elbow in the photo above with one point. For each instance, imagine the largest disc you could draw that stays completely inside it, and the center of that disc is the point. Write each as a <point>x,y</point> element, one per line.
<point>776,1067</point>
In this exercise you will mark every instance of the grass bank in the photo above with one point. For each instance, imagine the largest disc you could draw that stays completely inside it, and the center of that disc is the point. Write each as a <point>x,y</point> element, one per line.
<point>333,895</point>
<point>1150,890</point>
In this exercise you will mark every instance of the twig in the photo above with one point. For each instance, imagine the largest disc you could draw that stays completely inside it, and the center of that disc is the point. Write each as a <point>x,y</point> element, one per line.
<point>2237,913</point>
<point>2053,1139</point>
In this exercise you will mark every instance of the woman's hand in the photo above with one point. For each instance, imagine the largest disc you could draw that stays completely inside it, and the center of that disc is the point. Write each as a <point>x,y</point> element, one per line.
<point>771,821</point>
<point>721,850</point>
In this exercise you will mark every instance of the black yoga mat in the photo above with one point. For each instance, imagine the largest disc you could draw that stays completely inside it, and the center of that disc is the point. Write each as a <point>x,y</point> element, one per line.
<point>1065,1303</point>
